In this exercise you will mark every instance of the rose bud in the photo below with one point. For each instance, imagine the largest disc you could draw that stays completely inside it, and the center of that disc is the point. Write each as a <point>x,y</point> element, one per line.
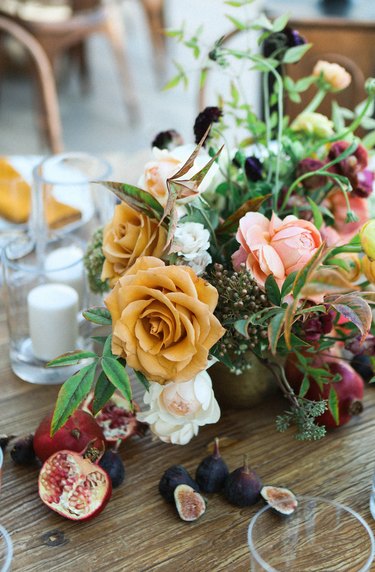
<point>204,120</point>
<point>253,169</point>
<point>367,236</point>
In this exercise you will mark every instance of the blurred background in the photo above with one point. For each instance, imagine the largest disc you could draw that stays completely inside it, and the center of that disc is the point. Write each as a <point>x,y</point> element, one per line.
<point>105,108</point>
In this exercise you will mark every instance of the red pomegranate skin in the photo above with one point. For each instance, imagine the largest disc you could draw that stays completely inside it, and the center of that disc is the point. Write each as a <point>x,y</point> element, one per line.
<point>349,389</point>
<point>80,430</point>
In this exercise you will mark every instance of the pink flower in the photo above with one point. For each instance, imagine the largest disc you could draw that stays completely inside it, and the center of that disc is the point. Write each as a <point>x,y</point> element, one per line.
<point>342,232</point>
<point>275,246</point>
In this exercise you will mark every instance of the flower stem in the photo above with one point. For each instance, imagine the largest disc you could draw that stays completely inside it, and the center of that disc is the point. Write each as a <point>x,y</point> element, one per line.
<point>316,101</point>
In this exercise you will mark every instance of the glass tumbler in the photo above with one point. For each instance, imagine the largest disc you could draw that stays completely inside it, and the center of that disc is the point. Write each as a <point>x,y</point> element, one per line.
<point>319,536</point>
<point>44,299</point>
<point>6,548</point>
<point>68,197</point>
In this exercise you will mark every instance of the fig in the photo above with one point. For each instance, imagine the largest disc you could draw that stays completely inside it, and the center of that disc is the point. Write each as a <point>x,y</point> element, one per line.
<point>280,499</point>
<point>80,430</point>
<point>4,440</point>
<point>117,418</point>
<point>349,389</point>
<point>174,476</point>
<point>74,486</point>
<point>212,472</point>
<point>242,486</point>
<point>190,504</point>
<point>22,450</point>
<point>111,462</point>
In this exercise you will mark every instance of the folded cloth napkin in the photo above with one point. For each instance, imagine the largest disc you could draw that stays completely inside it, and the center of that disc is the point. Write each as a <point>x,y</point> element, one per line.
<point>15,200</point>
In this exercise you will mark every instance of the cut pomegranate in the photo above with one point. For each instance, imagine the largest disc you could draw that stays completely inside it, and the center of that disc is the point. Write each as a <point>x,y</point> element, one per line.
<point>80,430</point>
<point>116,419</point>
<point>73,486</point>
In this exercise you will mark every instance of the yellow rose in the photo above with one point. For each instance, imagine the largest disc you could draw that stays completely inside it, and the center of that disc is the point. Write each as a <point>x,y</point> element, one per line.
<point>367,236</point>
<point>313,124</point>
<point>128,236</point>
<point>336,76</point>
<point>162,320</point>
<point>368,267</point>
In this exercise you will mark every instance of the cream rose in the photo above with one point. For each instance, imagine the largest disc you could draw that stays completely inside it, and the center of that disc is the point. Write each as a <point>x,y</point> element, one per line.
<point>167,163</point>
<point>177,410</point>
<point>334,74</point>
<point>162,320</point>
<point>313,124</point>
<point>128,236</point>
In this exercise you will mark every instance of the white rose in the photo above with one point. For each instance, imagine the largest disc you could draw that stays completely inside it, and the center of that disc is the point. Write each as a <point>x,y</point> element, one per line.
<point>200,262</point>
<point>166,163</point>
<point>190,239</point>
<point>177,410</point>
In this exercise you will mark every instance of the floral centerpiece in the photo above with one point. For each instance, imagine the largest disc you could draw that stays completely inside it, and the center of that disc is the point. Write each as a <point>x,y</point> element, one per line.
<point>239,253</point>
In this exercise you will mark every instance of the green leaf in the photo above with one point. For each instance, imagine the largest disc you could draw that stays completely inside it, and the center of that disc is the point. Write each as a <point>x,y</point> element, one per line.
<point>274,330</point>
<point>142,379</point>
<point>293,55</point>
<point>71,358</point>
<point>317,214</point>
<point>137,198</point>
<point>262,22</point>
<point>71,395</point>
<point>242,327</point>
<point>333,404</point>
<point>237,24</point>
<point>272,290</point>
<point>104,390</point>
<point>280,23</point>
<point>118,376</point>
<point>305,386</point>
<point>307,270</point>
<point>100,339</point>
<point>172,82</point>
<point>98,315</point>
<point>107,350</point>
<point>288,284</point>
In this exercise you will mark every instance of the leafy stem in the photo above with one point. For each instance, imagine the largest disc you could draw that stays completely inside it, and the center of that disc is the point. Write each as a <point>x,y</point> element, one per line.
<point>316,101</point>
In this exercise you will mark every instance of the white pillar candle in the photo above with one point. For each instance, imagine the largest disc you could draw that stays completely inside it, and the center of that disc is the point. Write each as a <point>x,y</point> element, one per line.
<point>53,323</point>
<point>65,266</point>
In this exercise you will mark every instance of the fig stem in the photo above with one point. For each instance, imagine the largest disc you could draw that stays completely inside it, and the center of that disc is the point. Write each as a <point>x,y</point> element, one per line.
<point>246,468</point>
<point>117,445</point>
<point>216,449</point>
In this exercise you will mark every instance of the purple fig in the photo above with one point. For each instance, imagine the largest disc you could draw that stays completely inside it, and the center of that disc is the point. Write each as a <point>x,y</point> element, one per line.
<point>212,472</point>
<point>242,486</point>
<point>174,476</point>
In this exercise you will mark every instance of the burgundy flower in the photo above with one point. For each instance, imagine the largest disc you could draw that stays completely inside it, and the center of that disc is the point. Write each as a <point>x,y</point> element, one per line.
<point>366,348</point>
<point>318,325</point>
<point>167,140</point>
<point>204,120</point>
<point>310,165</point>
<point>364,184</point>
<point>253,169</point>
<point>354,167</point>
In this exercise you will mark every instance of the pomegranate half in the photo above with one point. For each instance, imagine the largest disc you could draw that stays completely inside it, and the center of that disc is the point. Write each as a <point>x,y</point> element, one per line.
<point>80,430</point>
<point>116,418</point>
<point>74,486</point>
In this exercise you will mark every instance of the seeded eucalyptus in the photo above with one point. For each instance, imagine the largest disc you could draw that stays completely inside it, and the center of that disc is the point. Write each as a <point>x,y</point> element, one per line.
<point>239,298</point>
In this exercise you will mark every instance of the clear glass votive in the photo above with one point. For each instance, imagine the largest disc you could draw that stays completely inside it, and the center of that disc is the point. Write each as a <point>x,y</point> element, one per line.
<point>320,536</point>
<point>44,298</point>
<point>67,195</point>
<point>6,548</point>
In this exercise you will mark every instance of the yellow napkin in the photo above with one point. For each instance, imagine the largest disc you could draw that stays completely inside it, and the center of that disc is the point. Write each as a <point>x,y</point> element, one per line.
<point>15,200</point>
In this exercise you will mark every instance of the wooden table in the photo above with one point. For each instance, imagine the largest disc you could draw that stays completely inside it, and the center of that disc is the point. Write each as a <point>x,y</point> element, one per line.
<point>138,531</point>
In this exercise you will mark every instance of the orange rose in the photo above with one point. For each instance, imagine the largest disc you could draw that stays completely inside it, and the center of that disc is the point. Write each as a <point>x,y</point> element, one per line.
<point>128,236</point>
<point>162,320</point>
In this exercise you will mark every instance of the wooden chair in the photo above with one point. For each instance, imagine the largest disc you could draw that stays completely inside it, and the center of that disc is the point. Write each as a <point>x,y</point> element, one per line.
<point>154,11</point>
<point>84,18</point>
<point>49,102</point>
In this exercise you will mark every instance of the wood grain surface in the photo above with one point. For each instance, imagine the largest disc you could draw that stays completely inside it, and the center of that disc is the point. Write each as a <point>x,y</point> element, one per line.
<point>138,531</point>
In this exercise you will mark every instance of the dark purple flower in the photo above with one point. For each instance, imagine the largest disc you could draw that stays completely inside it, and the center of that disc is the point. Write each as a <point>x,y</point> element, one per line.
<point>366,348</point>
<point>354,163</point>
<point>281,41</point>
<point>167,139</point>
<point>310,165</point>
<point>253,169</point>
<point>294,38</point>
<point>204,120</point>
<point>326,321</point>
<point>318,325</point>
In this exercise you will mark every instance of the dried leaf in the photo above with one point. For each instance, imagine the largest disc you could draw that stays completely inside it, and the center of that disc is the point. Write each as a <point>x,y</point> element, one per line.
<point>326,281</point>
<point>355,309</point>
<point>252,205</point>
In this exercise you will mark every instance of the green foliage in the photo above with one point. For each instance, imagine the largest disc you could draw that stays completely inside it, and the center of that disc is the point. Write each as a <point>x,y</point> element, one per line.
<point>303,419</point>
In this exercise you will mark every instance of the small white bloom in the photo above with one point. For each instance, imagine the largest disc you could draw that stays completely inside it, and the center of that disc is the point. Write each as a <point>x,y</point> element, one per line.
<point>200,262</point>
<point>177,410</point>
<point>190,239</point>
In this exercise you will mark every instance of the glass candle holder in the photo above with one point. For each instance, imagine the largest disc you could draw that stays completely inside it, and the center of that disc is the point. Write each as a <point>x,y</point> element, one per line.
<point>6,548</point>
<point>67,195</point>
<point>320,535</point>
<point>44,302</point>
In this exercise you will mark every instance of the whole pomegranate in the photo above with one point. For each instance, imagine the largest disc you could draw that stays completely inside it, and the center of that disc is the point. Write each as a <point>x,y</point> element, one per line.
<point>117,419</point>
<point>74,486</point>
<point>80,430</point>
<point>349,389</point>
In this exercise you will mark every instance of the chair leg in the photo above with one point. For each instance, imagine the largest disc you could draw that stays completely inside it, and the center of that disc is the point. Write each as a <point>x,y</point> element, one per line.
<point>115,35</point>
<point>154,11</point>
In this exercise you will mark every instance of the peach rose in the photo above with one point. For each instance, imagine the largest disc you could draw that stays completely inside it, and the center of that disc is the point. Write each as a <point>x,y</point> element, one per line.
<point>162,320</point>
<point>128,236</point>
<point>334,74</point>
<point>342,232</point>
<point>275,246</point>
<point>167,163</point>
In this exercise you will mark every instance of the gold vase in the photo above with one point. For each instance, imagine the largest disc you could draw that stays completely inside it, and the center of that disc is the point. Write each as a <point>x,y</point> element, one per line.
<point>242,391</point>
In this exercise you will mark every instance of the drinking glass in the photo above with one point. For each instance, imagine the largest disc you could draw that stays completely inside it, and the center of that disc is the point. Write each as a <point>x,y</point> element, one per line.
<point>44,299</point>
<point>6,548</point>
<point>67,195</point>
<point>320,535</point>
